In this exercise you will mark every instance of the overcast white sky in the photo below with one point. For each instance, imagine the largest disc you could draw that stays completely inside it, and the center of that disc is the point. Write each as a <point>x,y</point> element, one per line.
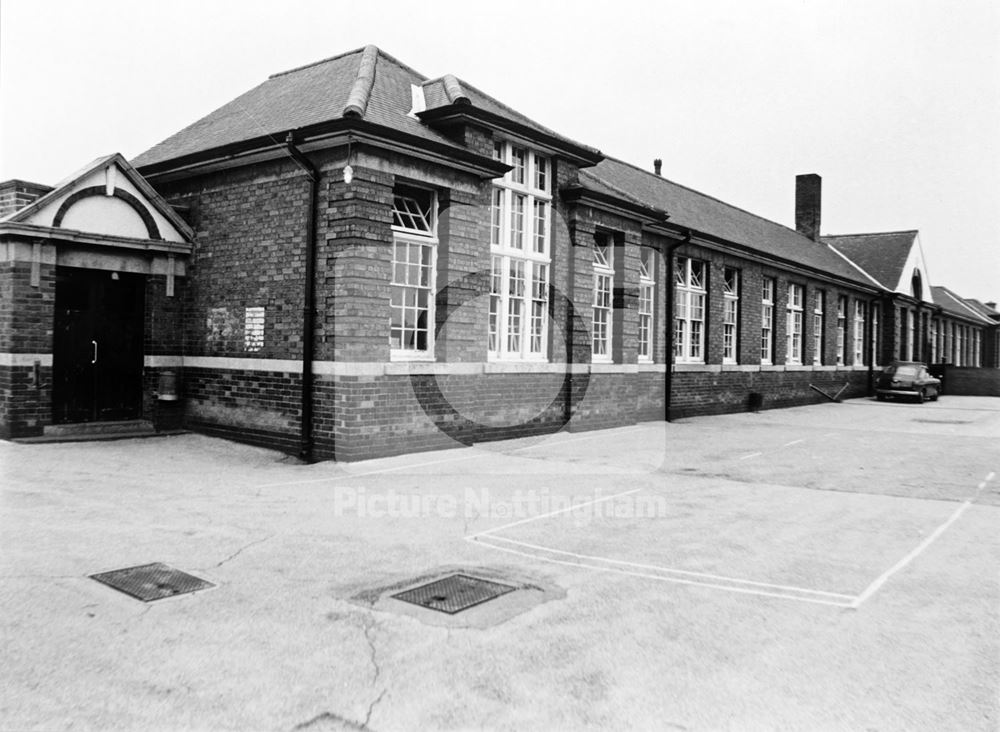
<point>895,103</point>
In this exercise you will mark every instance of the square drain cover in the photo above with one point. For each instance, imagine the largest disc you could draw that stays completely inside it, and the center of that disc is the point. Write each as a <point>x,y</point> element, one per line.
<point>152,581</point>
<point>454,594</point>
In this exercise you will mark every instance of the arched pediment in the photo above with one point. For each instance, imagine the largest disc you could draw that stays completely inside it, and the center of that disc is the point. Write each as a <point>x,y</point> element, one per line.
<point>91,208</point>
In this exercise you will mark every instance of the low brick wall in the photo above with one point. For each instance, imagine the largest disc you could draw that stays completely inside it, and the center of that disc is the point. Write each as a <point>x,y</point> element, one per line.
<point>699,393</point>
<point>962,381</point>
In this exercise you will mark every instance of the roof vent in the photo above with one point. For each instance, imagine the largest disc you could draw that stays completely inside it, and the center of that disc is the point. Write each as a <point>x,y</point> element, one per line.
<point>657,166</point>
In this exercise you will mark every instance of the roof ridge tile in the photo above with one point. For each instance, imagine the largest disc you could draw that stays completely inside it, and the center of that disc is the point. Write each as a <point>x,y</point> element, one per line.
<point>303,67</point>
<point>453,89</point>
<point>361,89</point>
<point>870,233</point>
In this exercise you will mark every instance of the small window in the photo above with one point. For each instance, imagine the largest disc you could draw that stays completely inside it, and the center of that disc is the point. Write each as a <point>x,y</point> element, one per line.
<point>412,210</point>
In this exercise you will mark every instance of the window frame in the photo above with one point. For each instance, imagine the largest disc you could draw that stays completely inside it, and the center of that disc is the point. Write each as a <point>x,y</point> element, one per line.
<point>768,285</point>
<point>859,332</point>
<point>794,309</point>
<point>819,326</point>
<point>730,315</point>
<point>522,225</point>
<point>841,330</point>
<point>602,301</point>
<point>690,297</point>
<point>407,236</point>
<point>646,304</point>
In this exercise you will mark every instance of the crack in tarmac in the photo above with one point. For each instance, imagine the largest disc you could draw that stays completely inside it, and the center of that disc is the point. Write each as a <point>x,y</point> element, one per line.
<point>242,549</point>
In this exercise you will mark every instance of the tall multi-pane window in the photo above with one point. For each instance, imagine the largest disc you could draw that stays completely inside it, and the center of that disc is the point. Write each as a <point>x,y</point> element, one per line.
<point>859,332</point>
<point>874,333</point>
<point>841,328</point>
<point>793,325</point>
<point>911,341</point>
<point>730,313</point>
<point>767,320</point>
<point>647,284</point>
<point>414,250</point>
<point>520,238</point>
<point>977,348</point>
<point>819,324</point>
<point>604,277</point>
<point>689,310</point>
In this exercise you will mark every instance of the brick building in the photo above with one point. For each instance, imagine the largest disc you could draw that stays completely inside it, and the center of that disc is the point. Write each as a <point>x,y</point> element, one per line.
<point>351,260</point>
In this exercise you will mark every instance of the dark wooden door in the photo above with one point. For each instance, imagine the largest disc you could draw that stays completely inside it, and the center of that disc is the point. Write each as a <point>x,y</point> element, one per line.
<point>97,349</point>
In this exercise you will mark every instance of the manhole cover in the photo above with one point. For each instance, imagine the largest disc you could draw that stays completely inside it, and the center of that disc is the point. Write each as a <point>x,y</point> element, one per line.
<point>151,581</point>
<point>454,594</point>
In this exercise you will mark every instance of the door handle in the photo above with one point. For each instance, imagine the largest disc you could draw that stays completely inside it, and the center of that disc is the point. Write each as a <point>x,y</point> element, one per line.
<point>94,359</point>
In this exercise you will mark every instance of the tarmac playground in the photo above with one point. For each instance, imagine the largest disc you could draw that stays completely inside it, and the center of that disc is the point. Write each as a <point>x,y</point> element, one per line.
<point>827,567</point>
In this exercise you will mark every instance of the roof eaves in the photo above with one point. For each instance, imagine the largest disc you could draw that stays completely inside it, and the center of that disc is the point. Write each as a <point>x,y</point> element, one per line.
<point>460,111</point>
<point>623,204</point>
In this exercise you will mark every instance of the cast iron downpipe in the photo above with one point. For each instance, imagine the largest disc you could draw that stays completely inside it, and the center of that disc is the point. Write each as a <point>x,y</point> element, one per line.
<point>308,302</point>
<point>669,324</point>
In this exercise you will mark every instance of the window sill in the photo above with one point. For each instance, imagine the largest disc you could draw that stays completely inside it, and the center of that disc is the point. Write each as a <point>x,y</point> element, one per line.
<point>410,357</point>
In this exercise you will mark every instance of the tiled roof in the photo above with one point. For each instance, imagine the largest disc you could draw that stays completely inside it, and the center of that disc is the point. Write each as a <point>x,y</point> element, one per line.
<point>882,255</point>
<point>365,82</point>
<point>708,215</point>
<point>956,305</point>
<point>981,308</point>
<point>451,90</point>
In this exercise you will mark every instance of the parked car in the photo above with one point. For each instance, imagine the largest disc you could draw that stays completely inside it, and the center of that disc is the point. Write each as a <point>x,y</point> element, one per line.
<point>907,379</point>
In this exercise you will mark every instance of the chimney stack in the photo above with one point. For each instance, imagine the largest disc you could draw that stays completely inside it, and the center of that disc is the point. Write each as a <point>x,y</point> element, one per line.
<point>657,166</point>
<point>808,200</point>
<point>991,305</point>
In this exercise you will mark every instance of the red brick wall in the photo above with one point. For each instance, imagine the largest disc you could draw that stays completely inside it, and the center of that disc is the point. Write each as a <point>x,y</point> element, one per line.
<point>26,322</point>
<point>971,381</point>
<point>696,393</point>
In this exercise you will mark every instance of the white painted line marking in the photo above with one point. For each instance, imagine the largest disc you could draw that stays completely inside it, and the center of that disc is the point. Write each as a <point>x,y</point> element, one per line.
<point>370,472</point>
<point>668,570</point>
<point>751,455</point>
<point>553,513</point>
<point>793,442</point>
<point>676,580</point>
<point>990,476</point>
<point>874,586</point>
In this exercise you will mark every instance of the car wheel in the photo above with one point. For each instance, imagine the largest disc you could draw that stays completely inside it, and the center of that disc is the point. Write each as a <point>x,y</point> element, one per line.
<point>937,395</point>
<point>880,397</point>
<point>921,396</point>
